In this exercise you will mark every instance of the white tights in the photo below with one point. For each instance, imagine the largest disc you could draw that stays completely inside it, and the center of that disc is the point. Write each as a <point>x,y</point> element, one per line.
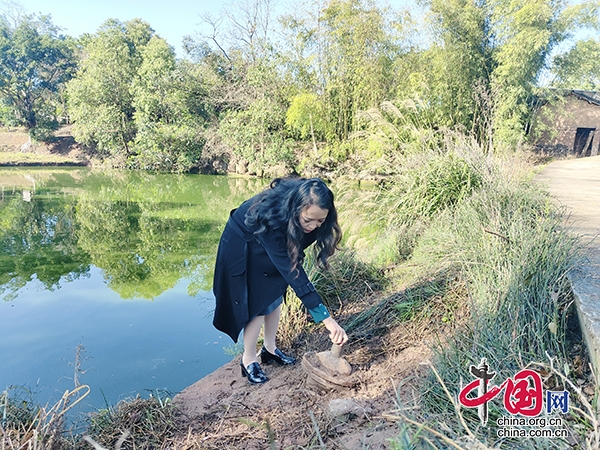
<point>252,331</point>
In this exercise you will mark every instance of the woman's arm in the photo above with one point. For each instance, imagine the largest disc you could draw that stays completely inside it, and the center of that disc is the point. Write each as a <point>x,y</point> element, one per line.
<point>299,282</point>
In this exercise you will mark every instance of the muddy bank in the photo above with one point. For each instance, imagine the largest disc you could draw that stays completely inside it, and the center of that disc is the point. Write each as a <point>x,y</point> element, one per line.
<point>17,149</point>
<point>222,410</point>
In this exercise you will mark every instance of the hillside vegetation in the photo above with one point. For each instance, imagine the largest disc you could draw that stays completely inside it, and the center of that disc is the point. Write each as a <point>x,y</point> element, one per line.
<point>341,87</point>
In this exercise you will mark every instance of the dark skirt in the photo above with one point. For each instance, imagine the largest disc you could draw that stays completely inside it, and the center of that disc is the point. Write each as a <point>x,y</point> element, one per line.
<point>272,307</point>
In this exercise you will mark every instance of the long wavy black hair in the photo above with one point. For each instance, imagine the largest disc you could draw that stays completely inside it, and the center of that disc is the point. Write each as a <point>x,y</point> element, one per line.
<point>279,207</point>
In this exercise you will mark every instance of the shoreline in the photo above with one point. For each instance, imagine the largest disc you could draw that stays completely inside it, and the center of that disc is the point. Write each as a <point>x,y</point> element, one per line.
<point>45,164</point>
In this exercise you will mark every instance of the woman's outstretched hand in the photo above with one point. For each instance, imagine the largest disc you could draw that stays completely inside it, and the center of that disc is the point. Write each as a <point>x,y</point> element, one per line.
<point>336,333</point>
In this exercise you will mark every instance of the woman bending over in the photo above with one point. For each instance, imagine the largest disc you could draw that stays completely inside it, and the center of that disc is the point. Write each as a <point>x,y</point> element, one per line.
<point>261,253</point>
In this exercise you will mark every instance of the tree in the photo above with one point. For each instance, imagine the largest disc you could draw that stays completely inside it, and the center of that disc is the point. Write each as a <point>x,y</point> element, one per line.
<point>305,116</point>
<point>579,68</point>
<point>169,98</point>
<point>35,62</point>
<point>357,61</point>
<point>525,36</point>
<point>488,57</point>
<point>100,100</point>
<point>459,59</point>
<point>246,86</point>
<point>525,33</point>
<point>343,53</point>
<point>133,101</point>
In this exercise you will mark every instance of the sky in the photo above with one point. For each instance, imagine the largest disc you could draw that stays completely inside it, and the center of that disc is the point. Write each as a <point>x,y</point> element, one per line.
<point>171,19</point>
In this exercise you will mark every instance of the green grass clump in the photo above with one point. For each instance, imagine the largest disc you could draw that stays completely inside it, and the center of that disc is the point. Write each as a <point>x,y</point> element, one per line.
<point>476,244</point>
<point>441,182</point>
<point>17,158</point>
<point>509,244</point>
<point>384,223</point>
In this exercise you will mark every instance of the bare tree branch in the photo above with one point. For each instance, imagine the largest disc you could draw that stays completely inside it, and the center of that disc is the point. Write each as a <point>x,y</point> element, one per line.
<point>214,24</point>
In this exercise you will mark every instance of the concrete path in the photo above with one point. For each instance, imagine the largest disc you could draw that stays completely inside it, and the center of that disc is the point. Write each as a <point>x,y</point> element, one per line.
<point>575,184</point>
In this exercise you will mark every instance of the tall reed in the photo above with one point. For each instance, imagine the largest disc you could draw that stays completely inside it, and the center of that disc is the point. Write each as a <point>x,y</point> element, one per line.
<point>509,244</point>
<point>25,425</point>
<point>478,221</point>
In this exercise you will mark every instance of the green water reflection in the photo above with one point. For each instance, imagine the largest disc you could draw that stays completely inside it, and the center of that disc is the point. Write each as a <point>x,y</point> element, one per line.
<point>119,263</point>
<point>144,231</point>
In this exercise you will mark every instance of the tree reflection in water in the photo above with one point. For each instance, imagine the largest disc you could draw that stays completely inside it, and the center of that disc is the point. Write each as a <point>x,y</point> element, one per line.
<point>76,245</point>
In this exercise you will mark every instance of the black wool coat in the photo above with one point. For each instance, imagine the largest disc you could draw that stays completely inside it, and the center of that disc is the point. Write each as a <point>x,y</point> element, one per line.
<point>252,271</point>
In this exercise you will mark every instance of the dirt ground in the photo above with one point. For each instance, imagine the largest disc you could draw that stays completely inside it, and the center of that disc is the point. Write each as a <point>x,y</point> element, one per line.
<point>224,411</point>
<point>63,147</point>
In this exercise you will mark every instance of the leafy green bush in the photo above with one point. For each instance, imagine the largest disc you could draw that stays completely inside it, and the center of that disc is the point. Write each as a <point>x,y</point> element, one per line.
<point>164,147</point>
<point>256,135</point>
<point>305,117</point>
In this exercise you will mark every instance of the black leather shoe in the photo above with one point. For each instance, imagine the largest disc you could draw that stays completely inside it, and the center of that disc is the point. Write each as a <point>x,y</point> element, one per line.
<point>279,357</point>
<point>254,373</point>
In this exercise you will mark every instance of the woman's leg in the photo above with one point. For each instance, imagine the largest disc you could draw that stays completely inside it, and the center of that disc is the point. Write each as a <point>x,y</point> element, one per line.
<point>251,332</point>
<point>271,325</point>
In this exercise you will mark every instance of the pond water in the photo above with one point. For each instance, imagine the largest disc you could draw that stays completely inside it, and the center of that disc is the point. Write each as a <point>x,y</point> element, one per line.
<point>105,280</point>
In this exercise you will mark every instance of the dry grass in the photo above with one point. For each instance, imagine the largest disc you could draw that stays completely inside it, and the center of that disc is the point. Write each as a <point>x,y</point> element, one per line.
<point>243,424</point>
<point>136,423</point>
<point>22,428</point>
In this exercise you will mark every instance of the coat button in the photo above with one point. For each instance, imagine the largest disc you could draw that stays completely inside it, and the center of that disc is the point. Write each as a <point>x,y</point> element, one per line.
<point>265,274</point>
